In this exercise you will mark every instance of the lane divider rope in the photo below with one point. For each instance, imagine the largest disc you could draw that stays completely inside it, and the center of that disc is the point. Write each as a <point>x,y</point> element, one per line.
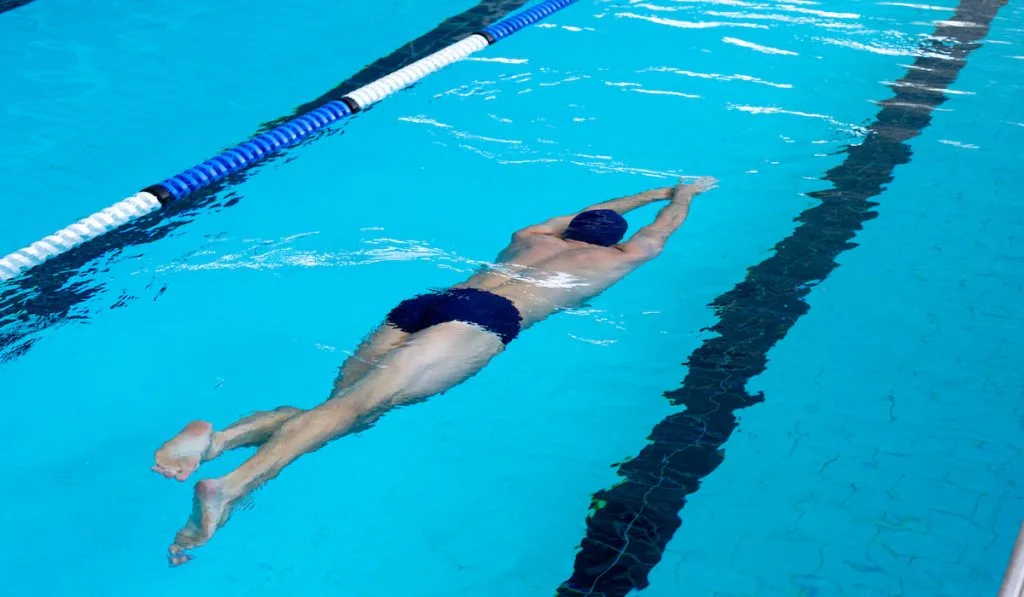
<point>261,147</point>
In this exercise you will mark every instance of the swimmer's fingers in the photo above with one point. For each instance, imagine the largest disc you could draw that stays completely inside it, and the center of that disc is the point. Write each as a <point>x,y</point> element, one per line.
<point>702,184</point>
<point>705,183</point>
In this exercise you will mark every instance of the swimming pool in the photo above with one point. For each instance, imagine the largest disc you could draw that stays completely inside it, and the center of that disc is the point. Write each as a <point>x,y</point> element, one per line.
<point>881,461</point>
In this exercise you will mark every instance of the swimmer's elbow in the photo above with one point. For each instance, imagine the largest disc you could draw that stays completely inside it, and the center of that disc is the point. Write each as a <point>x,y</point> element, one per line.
<point>530,231</point>
<point>644,249</point>
<point>520,235</point>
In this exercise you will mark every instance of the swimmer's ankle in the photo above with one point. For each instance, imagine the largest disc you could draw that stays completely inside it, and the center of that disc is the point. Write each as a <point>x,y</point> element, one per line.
<point>217,446</point>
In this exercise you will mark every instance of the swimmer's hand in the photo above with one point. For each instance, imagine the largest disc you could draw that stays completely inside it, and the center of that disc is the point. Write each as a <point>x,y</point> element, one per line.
<point>686,192</point>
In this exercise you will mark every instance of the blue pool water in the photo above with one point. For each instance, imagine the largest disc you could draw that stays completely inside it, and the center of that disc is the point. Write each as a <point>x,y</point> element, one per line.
<point>884,458</point>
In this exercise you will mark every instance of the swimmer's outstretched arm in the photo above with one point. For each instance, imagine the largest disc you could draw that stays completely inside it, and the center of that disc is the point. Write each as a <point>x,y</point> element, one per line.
<point>628,203</point>
<point>648,241</point>
<point>620,205</point>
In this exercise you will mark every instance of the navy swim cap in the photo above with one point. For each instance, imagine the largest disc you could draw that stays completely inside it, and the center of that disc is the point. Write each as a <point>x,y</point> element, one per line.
<point>602,227</point>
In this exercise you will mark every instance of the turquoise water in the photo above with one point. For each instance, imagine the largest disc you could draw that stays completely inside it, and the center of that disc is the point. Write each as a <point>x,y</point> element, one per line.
<point>882,461</point>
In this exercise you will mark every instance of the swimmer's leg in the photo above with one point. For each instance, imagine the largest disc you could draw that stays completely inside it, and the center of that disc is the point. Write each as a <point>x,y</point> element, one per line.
<point>372,349</point>
<point>431,361</point>
<point>198,442</point>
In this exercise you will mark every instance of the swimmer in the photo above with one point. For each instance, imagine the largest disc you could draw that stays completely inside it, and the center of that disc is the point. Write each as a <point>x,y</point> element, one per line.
<point>427,345</point>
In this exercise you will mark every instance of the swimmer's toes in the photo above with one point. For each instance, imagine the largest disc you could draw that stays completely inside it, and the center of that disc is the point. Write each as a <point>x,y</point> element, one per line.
<point>166,472</point>
<point>189,464</point>
<point>179,560</point>
<point>176,555</point>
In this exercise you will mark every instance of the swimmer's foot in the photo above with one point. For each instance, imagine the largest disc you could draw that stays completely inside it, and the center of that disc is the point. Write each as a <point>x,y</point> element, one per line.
<point>210,510</point>
<point>181,455</point>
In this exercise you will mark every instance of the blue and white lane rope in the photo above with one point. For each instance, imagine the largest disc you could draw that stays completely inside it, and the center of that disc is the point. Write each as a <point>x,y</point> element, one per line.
<point>256,150</point>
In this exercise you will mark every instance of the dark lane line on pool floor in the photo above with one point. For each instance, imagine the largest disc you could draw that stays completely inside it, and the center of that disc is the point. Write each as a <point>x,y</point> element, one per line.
<point>49,294</point>
<point>630,524</point>
<point>6,5</point>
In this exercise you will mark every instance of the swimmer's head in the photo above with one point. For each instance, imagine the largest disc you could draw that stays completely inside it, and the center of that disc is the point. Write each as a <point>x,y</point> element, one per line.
<point>602,227</point>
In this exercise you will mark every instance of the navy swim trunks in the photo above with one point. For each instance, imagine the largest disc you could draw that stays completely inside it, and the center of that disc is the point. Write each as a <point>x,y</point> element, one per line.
<point>494,313</point>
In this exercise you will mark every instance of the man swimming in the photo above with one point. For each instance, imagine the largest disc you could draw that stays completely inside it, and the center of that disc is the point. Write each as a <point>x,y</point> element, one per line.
<point>427,345</point>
